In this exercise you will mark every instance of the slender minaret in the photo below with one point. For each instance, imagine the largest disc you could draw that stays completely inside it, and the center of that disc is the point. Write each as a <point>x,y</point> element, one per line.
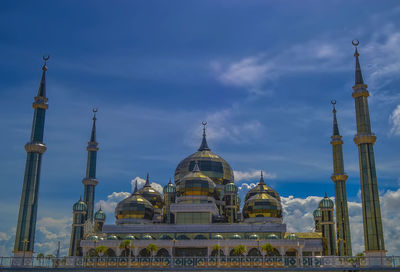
<point>365,139</point>
<point>328,226</point>
<point>26,225</point>
<point>339,177</point>
<point>317,220</point>
<point>78,221</point>
<point>169,198</point>
<point>90,180</point>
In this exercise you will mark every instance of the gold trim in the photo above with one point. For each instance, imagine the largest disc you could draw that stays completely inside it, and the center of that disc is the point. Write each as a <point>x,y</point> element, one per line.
<point>90,181</point>
<point>35,148</point>
<point>364,139</point>
<point>357,86</point>
<point>339,177</point>
<point>360,93</point>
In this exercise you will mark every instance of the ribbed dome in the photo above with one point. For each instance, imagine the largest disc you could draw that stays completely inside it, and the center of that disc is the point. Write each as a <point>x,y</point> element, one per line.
<point>210,164</point>
<point>196,183</point>
<point>236,237</point>
<point>134,207</point>
<point>93,237</point>
<point>262,205</point>
<point>100,215</point>
<point>218,237</point>
<point>230,188</point>
<point>326,203</point>
<point>129,237</point>
<point>80,206</point>
<point>170,188</point>
<point>254,237</point>
<point>267,189</point>
<point>151,195</point>
<point>272,236</point>
<point>317,213</point>
<point>112,237</point>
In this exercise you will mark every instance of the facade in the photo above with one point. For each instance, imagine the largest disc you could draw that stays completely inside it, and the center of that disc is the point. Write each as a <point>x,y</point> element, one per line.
<point>196,213</point>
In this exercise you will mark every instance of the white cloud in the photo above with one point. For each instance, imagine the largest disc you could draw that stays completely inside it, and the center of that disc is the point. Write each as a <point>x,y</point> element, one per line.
<point>252,174</point>
<point>140,183</point>
<point>394,119</point>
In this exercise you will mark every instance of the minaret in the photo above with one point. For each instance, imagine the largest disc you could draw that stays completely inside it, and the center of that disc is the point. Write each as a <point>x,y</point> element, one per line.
<point>90,180</point>
<point>79,217</point>
<point>169,198</point>
<point>99,219</point>
<point>339,177</point>
<point>365,139</point>
<point>317,220</point>
<point>328,226</point>
<point>26,225</point>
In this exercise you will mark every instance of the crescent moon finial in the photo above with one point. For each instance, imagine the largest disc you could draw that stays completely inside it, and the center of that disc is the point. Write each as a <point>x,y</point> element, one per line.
<point>355,42</point>
<point>333,102</point>
<point>94,112</point>
<point>204,123</point>
<point>46,58</point>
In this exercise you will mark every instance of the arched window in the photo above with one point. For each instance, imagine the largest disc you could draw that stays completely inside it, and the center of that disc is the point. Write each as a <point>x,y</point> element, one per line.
<point>254,252</point>
<point>144,253</point>
<point>182,237</point>
<point>162,253</point>
<point>110,253</point>
<point>91,253</point>
<point>215,253</point>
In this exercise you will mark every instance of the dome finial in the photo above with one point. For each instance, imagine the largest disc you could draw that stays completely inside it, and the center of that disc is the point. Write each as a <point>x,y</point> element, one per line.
<point>169,181</point>
<point>326,196</point>
<point>262,182</point>
<point>147,181</point>
<point>196,167</point>
<point>204,145</point>
<point>135,189</point>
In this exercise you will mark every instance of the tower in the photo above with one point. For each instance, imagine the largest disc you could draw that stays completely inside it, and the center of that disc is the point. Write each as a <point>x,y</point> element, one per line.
<point>26,225</point>
<point>327,226</point>
<point>169,198</point>
<point>90,180</point>
<point>79,218</point>
<point>317,220</point>
<point>230,199</point>
<point>99,219</point>
<point>365,139</point>
<point>339,177</point>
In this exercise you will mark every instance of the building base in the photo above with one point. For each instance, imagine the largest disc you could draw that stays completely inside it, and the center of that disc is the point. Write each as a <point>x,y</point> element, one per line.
<point>375,257</point>
<point>22,258</point>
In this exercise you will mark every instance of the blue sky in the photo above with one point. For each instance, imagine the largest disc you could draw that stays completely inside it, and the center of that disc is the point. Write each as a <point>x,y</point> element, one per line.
<point>261,73</point>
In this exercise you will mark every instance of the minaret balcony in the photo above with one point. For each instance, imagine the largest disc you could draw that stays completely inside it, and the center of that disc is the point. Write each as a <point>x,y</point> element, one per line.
<point>365,139</point>
<point>339,177</point>
<point>90,181</point>
<point>35,147</point>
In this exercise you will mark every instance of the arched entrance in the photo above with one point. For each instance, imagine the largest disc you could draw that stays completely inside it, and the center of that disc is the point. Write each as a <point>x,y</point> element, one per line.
<point>162,253</point>
<point>254,252</point>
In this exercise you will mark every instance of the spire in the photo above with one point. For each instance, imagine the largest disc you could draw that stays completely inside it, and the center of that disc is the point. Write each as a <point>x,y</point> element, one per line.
<point>326,196</point>
<point>196,167</point>
<point>135,189</point>
<point>93,134</point>
<point>262,179</point>
<point>169,181</point>
<point>359,77</point>
<point>204,145</point>
<point>335,124</point>
<point>42,87</point>
<point>147,184</point>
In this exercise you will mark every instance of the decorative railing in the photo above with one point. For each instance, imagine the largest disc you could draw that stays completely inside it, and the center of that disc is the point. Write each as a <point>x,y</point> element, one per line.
<point>201,262</point>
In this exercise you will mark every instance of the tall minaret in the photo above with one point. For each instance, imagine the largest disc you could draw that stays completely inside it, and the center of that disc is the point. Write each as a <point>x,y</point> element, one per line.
<point>90,180</point>
<point>339,177</point>
<point>365,139</point>
<point>328,226</point>
<point>26,226</point>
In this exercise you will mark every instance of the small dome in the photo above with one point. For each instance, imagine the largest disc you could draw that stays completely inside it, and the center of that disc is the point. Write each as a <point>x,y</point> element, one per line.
<point>218,237</point>
<point>231,188</point>
<point>262,204</point>
<point>134,207</point>
<point>266,188</point>
<point>93,237</point>
<point>101,239</point>
<point>153,196</point>
<point>112,237</point>
<point>196,184</point>
<point>317,213</point>
<point>129,237</point>
<point>326,203</point>
<point>272,236</point>
<point>80,206</point>
<point>254,237</point>
<point>170,188</point>
<point>100,215</point>
<point>292,236</point>
<point>236,237</point>
<point>147,237</point>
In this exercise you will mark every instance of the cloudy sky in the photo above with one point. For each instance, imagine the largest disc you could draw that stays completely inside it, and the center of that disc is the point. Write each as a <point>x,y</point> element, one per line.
<point>261,73</point>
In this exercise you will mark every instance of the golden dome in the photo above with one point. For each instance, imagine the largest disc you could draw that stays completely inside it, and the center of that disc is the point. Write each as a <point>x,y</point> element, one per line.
<point>151,195</point>
<point>210,164</point>
<point>266,188</point>
<point>134,207</point>
<point>195,183</point>
<point>262,204</point>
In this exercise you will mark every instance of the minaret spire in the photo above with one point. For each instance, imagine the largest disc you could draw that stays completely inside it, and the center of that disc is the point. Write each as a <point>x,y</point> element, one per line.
<point>358,78</point>
<point>262,182</point>
<point>339,177</point>
<point>204,145</point>
<point>90,181</point>
<point>26,225</point>
<point>135,189</point>
<point>365,139</point>
<point>147,184</point>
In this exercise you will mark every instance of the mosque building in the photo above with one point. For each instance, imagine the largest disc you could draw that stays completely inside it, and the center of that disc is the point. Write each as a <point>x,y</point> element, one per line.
<point>201,207</point>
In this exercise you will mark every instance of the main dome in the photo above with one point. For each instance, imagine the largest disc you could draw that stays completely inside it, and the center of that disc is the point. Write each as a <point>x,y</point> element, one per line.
<point>210,164</point>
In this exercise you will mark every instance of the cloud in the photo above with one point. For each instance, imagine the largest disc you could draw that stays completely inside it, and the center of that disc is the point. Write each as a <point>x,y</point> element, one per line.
<point>140,183</point>
<point>252,174</point>
<point>394,120</point>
